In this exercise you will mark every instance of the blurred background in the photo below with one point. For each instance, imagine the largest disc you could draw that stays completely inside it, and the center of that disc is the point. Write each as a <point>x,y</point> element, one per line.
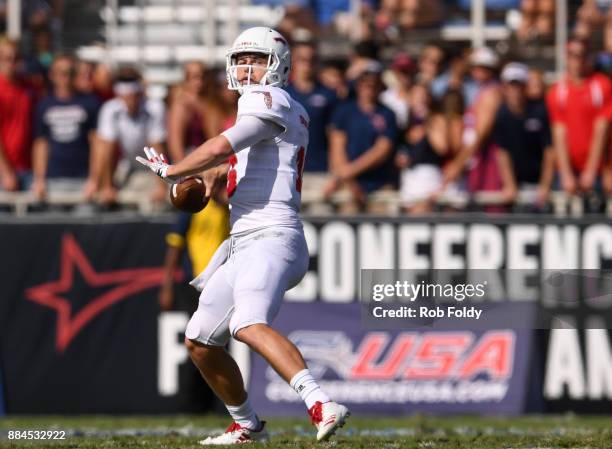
<point>444,134</point>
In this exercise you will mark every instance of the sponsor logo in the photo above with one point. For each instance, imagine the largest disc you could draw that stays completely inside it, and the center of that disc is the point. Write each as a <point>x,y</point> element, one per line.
<point>122,284</point>
<point>410,367</point>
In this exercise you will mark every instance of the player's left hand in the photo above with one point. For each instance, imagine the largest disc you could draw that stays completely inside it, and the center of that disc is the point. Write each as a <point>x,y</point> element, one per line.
<point>158,164</point>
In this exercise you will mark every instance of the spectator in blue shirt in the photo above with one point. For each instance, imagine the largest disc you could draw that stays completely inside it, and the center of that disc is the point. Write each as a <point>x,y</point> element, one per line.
<point>522,134</point>
<point>319,102</point>
<point>64,125</point>
<point>362,141</point>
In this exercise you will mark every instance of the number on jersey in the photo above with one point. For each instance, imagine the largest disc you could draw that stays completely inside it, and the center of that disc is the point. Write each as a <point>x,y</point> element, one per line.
<point>231,176</point>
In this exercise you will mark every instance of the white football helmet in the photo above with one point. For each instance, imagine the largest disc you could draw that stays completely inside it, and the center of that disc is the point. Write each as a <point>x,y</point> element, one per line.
<point>262,40</point>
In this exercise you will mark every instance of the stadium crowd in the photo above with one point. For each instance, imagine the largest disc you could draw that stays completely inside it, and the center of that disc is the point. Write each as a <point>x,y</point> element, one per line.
<point>427,126</point>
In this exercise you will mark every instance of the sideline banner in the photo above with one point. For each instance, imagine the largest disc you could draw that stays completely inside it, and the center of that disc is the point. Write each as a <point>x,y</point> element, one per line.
<point>2,408</point>
<point>397,372</point>
<point>80,322</point>
<point>81,331</point>
<point>322,315</point>
<point>577,370</point>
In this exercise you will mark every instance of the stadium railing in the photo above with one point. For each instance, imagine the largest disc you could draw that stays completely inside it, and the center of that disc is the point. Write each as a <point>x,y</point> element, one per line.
<point>562,205</point>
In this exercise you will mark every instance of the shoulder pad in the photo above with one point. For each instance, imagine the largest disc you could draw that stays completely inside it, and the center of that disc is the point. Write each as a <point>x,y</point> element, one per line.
<point>266,102</point>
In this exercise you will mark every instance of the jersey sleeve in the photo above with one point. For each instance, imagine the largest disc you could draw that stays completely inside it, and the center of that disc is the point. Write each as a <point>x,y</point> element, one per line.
<point>390,129</point>
<point>40,127</point>
<point>555,112</point>
<point>93,110</point>
<point>266,104</point>
<point>339,117</point>
<point>249,130</point>
<point>606,88</point>
<point>107,125</point>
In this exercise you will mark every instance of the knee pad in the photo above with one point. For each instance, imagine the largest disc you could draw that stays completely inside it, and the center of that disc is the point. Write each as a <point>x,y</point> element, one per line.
<point>203,329</point>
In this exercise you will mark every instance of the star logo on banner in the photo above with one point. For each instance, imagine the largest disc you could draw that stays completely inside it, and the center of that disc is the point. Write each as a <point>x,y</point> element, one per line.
<point>122,283</point>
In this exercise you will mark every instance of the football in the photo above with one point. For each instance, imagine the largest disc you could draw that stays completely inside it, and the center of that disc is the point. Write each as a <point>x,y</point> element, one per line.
<point>189,195</point>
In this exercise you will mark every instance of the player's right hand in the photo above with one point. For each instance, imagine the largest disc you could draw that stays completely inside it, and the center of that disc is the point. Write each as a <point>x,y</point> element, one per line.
<point>157,163</point>
<point>214,178</point>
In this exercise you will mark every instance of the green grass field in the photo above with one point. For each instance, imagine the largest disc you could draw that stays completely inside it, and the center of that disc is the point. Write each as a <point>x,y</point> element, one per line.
<point>183,432</point>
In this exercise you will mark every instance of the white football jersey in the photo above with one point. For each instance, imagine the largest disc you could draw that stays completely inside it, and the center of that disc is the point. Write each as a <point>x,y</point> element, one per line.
<point>265,180</point>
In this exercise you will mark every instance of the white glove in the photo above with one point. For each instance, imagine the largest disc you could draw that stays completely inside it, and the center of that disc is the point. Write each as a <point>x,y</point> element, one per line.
<point>158,165</point>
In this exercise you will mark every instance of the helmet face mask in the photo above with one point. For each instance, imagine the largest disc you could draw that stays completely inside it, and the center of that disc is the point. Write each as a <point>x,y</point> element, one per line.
<point>258,41</point>
<point>268,77</point>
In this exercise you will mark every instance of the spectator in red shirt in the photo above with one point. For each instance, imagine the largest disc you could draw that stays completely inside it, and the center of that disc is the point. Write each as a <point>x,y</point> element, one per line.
<point>15,122</point>
<point>578,107</point>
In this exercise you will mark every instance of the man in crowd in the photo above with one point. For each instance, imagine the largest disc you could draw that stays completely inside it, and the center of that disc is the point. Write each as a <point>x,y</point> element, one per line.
<point>578,106</point>
<point>319,102</point>
<point>64,130</point>
<point>15,122</point>
<point>522,134</point>
<point>128,123</point>
<point>362,140</point>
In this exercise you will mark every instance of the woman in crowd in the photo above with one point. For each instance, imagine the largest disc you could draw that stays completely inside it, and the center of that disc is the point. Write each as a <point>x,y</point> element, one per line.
<point>222,108</point>
<point>426,149</point>
<point>187,127</point>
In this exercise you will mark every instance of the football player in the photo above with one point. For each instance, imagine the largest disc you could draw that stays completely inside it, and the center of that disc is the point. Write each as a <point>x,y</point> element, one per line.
<point>262,156</point>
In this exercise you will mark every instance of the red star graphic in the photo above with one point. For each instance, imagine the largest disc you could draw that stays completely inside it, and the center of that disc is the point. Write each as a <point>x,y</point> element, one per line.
<point>127,283</point>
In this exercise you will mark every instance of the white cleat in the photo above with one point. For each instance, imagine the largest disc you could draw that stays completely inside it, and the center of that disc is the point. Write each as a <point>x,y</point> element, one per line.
<point>327,418</point>
<point>235,434</point>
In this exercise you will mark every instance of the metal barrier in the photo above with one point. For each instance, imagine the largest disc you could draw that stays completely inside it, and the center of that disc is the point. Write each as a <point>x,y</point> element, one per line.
<point>562,205</point>
<point>22,202</point>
